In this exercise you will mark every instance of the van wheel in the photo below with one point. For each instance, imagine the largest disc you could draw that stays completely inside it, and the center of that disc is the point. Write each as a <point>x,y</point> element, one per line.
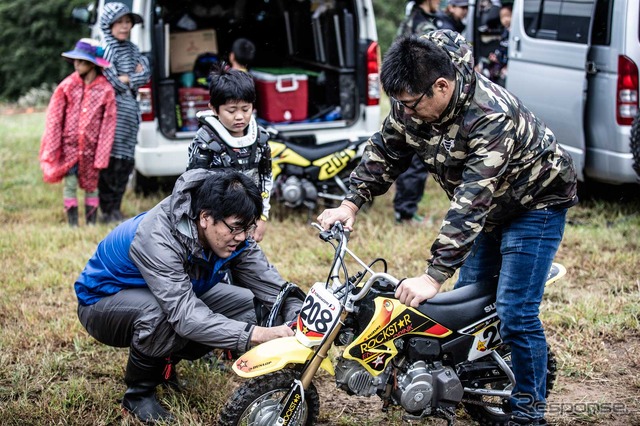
<point>145,185</point>
<point>635,143</point>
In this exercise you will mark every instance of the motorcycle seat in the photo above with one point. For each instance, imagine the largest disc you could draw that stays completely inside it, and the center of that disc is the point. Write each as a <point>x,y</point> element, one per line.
<point>461,307</point>
<point>313,153</point>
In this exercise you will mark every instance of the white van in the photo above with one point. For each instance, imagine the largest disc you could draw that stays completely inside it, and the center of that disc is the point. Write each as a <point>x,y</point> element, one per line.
<point>574,63</point>
<point>321,59</point>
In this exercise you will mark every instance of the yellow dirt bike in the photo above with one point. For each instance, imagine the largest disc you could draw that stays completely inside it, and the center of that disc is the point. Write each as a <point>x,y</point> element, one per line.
<point>304,175</point>
<point>426,360</point>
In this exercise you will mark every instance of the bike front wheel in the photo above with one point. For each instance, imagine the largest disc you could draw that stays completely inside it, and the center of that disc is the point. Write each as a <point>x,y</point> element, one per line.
<point>257,402</point>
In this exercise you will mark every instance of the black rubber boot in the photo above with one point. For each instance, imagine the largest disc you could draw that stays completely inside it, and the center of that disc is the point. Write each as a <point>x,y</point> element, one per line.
<point>90,214</point>
<point>72,216</point>
<point>142,376</point>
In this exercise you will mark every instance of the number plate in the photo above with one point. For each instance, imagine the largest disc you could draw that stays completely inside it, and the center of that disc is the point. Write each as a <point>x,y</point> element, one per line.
<point>319,313</point>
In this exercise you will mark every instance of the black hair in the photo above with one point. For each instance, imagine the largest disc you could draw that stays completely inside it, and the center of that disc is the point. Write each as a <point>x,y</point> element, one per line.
<point>244,50</point>
<point>229,193</point>
<point>228,84</point>
<point>412,64</point>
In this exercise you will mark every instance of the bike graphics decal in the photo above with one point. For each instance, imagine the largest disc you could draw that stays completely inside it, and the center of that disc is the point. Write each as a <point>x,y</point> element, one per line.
<point>332,164</point>
<point>486,336</point>
<point>280,154</point>
<point>294,399</point>
<point>374,348</point>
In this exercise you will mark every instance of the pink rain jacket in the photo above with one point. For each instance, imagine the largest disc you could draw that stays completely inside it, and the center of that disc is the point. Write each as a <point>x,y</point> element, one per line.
<point>80,127</point>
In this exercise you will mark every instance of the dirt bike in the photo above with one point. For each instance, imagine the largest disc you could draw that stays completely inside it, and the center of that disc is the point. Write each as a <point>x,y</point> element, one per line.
<point>304,175</point>
<point>426,360</point>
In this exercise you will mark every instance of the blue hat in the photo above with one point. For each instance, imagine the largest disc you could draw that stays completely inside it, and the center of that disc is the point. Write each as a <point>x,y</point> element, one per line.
<point>458,3</point>
<point>88,49</point>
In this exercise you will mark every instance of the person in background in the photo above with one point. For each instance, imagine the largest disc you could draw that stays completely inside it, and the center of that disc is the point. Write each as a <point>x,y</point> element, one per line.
<point>130,70</point>
<point>153,284</point>
<point>79,130</point>
<point>421,18</point>
<point>498,59</point>
<point>242,54</point>
<point>454,15</point>
<point>229,136</point>
<point>509,181</point>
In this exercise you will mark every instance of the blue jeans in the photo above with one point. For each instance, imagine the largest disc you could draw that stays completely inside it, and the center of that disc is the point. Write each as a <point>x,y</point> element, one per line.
<point>518,254</point>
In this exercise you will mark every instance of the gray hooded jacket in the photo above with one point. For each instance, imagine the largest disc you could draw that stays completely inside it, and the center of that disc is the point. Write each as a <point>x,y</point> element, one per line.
<point>164,243</point>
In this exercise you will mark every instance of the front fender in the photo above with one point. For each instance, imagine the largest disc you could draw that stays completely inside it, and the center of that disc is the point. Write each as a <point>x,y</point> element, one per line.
<point>274,355</point>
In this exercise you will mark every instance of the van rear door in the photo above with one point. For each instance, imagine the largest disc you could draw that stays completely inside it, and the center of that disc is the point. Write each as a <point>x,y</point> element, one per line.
<point>548,47</point>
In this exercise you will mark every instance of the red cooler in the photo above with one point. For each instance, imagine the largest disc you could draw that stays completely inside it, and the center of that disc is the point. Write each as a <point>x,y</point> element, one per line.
<point>281,97</point>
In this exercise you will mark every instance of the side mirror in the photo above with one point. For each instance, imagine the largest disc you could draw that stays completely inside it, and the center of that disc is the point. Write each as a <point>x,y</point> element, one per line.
<point>83,15</point>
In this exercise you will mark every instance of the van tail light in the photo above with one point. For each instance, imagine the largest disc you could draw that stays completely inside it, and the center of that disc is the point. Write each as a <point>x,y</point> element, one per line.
<point>145,101</point>
<point>627,95</point>
<point>373,74</point>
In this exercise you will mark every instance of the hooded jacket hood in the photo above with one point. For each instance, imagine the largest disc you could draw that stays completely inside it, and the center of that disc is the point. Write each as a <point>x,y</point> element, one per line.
<point>461,54</point>
<point>111,12</point>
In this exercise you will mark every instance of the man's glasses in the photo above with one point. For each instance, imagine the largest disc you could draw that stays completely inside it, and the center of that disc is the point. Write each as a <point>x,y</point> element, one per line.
<point>237,230</point>
<point>412,106</point>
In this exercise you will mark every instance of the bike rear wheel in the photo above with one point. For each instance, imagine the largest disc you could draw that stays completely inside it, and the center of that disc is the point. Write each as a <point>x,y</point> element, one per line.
<point>257,402</point>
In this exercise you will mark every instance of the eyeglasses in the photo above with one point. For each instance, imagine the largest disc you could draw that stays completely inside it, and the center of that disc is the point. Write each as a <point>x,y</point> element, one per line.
<point>411,107</point>
<point>237,230</point>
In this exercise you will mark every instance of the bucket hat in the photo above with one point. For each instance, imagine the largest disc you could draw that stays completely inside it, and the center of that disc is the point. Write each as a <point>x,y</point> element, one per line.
<point>88,49</point>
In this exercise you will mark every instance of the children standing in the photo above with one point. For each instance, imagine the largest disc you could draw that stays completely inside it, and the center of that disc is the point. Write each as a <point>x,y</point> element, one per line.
<point>80,126</point>
<point>229,136</point>
<point>130,70</point>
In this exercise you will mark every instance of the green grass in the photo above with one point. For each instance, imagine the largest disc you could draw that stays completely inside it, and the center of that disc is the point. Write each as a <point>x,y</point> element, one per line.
<point>52,372</point>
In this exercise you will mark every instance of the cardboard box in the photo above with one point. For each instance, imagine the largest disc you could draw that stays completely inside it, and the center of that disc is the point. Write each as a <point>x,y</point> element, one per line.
<point>281,97</point>
<point>185,47</point>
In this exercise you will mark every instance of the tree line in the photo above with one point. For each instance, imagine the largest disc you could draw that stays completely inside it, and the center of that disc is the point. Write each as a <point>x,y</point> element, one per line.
<point>33,34</point>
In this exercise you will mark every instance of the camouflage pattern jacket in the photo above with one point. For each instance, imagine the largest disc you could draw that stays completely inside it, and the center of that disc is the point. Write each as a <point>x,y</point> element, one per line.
<point>417,22</point>
<point>491,155</point>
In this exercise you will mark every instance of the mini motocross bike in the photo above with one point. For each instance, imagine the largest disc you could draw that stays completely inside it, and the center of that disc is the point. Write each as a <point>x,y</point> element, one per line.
<point>426,360</point>
<point>303,175</point>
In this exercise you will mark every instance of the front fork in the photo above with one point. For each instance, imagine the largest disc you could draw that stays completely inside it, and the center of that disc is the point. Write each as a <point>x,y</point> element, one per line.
<point>292,400</point>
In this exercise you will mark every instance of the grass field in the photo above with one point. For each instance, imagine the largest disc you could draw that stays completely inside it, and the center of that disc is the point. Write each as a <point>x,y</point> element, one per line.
<point>53,373</point>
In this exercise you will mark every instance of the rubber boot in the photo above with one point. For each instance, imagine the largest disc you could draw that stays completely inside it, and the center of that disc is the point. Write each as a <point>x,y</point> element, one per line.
<point>142,376</point>
<point>72,216</point>
<point>91,211</point>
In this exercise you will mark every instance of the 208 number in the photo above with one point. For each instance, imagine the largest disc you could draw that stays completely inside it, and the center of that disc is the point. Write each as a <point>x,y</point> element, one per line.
<point>312,313</point>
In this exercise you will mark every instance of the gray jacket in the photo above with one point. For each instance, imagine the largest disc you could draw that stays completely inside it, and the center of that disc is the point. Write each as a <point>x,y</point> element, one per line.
<point>163,249</point>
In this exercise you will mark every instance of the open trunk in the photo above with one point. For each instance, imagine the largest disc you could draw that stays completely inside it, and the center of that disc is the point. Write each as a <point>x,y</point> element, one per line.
<point>310,64</point>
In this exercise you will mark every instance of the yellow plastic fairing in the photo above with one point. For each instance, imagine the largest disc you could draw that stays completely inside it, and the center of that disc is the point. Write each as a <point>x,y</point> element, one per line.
<point>274,355</point>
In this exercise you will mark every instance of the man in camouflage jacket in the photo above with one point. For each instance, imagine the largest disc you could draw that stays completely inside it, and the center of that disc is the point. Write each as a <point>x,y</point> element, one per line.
<point>509,181</point>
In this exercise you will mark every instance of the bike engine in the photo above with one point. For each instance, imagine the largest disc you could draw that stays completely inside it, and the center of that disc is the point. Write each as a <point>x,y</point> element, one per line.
<point>296,191</point>
<point>355,380</point>
<point>424,387</point>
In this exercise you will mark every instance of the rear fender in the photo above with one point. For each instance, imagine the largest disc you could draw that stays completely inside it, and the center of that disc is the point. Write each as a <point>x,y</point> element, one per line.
<point>274,355</point>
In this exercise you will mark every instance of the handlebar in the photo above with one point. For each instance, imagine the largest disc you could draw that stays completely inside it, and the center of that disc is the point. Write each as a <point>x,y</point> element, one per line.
<point>338,233</point>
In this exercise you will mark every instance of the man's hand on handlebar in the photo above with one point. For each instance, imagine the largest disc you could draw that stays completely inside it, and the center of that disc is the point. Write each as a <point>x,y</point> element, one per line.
<point>345,213</point>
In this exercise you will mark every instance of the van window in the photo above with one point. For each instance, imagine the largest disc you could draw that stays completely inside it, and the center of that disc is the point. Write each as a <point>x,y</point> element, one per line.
<point>560,20</point>
<point>601,32</point>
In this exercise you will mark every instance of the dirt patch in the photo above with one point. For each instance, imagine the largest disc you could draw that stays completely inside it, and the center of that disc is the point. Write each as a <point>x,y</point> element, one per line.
<point>14,109</point>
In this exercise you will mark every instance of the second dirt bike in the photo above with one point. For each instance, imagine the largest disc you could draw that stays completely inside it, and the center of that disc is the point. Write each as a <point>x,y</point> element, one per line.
<point>305,175</point>
<point>426,360</point>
